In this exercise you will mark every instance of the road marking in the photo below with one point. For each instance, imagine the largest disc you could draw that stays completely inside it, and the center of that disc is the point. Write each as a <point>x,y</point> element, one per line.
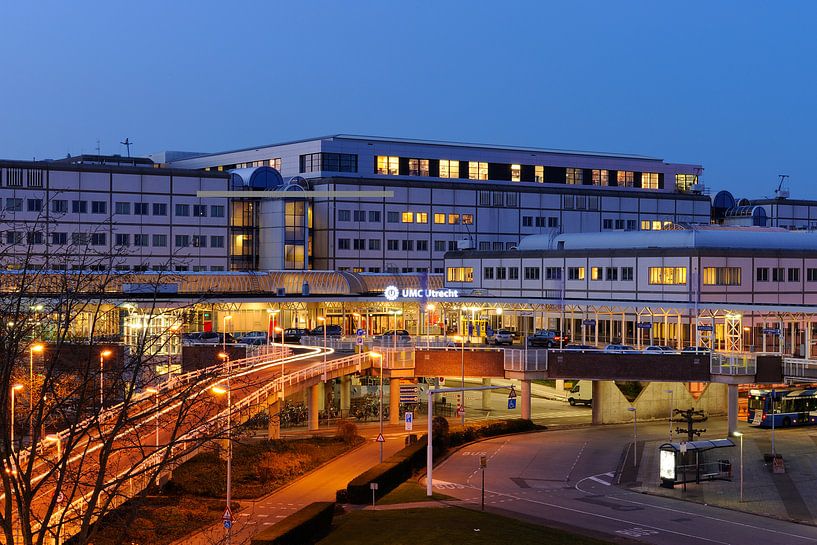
<point>595,478</point>
<point>637,532</point>
<point>576,461</point>
<point>600,481</point>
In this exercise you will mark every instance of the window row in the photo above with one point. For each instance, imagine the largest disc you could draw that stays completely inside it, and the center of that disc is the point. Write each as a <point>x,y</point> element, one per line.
<point>138,268</point>
<point>781,274</point>
<point>542,221</point>
<point>655,225</point>
<point>120,239</point>
<point>274,163</point>
<point>618,224</point>
<point>328,162</point>
<point>60,206</point>
<point>496,199</point>
<point>392,165</point>
<point>16,177</point>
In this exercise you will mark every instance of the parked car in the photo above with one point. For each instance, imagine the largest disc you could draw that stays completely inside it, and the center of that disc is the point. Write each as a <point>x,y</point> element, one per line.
<point>581,393</point>
<point>252,336</point>
<point>294,334</point>
<point>580,347</point>
<point>214,337</point>
<point>619,349</point>
<point>659,349</point>
<point>400,336</point>
<point>332,330</point>
<point>190,338</point>
<point>696,350</point>
<point>548,338</point>
<point>502,336</point>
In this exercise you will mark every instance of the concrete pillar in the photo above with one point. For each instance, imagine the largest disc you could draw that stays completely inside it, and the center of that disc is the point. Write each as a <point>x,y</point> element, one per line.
<point>731,409</point>
<point>313,405</point>
<point>598,399</point>
<point>394,401</point>
<point>486,395</point>
<point>274,426</point>
<point>525,399</point>
<point>345,395</point>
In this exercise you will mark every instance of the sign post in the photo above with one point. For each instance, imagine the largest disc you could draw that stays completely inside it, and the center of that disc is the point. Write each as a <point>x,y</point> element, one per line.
<point>512,398</point>
<point>227,518</point>
<point>483,463</point>
<point>373,486</point>
<point>409,421</point>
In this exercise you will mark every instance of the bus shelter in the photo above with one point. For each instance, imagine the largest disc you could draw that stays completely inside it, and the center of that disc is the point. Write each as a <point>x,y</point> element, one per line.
<point>694,461</point>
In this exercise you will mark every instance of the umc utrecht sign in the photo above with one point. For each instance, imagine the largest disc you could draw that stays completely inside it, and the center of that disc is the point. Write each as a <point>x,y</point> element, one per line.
<point>392,293</point>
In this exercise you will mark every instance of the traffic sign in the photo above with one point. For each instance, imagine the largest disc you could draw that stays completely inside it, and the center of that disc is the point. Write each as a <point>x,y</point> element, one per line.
<point>771,331</point>
<point>360,332</point>
<point>644,325</point>
<point>359,341</point>
<point>227,516</point>
<point>589,323</point>
<point>683,447</point>
<point>512,393</point>
<point>441,381</point>
<point>511,403</point>
<point>380,438</point>
<point>460,410</point>
<point>483,462</point>
<point>706,328</point>
<point>228,524</point>
<point>409,421</point>
<point>60,497</point>
<point>409,393</point>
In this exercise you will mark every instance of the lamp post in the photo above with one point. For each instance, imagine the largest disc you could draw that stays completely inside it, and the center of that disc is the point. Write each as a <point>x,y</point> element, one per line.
<point>461,340</point>
<point>220,391</point>
<point>271,314</point>
<point>155,392</point>
<point>429,312</point>
<point>323,321</point>
<point>15,388</point>
<point>671,400</point>
<point>39,349</point>
<point>55,438</point>
<point>224,333</point>
<point>102,355</point>
<point>379,356</point>
<point>635,435</point>
<point>739,434</point>
<point>281,331</point>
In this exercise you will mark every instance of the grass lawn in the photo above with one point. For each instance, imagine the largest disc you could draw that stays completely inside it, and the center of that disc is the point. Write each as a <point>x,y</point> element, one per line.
<point>443,526</point>
<point>409,492</point>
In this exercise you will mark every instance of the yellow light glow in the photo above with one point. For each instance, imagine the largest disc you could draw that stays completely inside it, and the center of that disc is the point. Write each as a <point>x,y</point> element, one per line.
<point>223,355</point>
<point>218,390</point>
<point>52,438</point>
<point>278,330</point>
<point>273,312</point>
<point>228,317</point>
<point>375,354</point>
<point>430,307</point>
<point>321,319</point>
<point>151,390</point>
<point>105,353</point>
<point>499,312</point>
<point>37,348</point>
<point>17,387</point>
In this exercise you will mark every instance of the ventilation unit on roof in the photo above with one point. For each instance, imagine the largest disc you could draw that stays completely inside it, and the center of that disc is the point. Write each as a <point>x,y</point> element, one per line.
<point>696,188</point>
<point>465,244</point>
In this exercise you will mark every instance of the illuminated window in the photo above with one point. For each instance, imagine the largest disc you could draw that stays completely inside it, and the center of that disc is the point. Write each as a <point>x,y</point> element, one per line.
<point>418,167</point>
<point>722,276</point>
<point>668,275</point>
<point>439,218</point>
<point>656,225</point>
<point>388,165</point>
<point>574,176</point>
<point>683,182</point>
<point>516,173</point>
<point>453,219</point>
<point>421,217</point>
<point>601,177</point>
<point>596,273</point>
<point>408,217</point>
<point>467,219</point>
<point>575,273</point>
<point>649,180</point>
<point>625,178</point>
<point>646,225</point>
<point>539,174</point>
<point>449,169</point>
<point>477,171</point>
<point>460,274</point>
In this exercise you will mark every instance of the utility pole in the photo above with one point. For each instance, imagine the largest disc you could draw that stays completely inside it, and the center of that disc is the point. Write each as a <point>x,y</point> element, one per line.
<point>690,416</point>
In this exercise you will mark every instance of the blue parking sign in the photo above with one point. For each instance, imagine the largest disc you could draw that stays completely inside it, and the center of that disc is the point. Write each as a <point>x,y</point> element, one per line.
<point>511,402</point>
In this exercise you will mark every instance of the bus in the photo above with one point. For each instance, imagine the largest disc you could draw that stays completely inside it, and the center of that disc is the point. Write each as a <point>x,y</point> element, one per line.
<point>786,407</point>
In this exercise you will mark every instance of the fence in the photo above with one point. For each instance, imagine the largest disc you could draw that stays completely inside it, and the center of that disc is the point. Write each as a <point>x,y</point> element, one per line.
<point>799,369</point>
<point>727,363</point>
<point>525,360</point>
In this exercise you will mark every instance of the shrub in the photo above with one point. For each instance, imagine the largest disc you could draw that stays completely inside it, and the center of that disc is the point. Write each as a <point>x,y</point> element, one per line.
<point>308,525</point>
<point>439,432</point>
<point>346,430</point>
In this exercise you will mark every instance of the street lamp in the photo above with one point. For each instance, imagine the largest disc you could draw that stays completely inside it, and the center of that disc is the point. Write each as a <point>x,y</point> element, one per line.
<point>154,391</point>
<point>429,312</point>
<point>224,333</point>
<point>221,391</point>
<point>739,434</point>
<point>671,399</point>
<point>281,331</point>
<point>323,321</point>
<point>15,388</point>
<point>635,435</point>
<point>102,355</point>
<point>271,313</point>
<point>379,356</point>
<point>55,438</point>
<point>461,340</point>
<point>39,349</point>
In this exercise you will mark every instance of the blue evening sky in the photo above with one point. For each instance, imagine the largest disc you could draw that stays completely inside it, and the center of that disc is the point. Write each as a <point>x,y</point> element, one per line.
<point>730,85</point>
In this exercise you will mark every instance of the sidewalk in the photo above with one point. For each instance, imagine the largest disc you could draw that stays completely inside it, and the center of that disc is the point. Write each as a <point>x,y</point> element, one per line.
<point>788,496</point>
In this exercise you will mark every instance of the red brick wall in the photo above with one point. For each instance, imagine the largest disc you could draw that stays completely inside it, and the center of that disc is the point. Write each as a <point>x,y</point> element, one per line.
<point>448,363</point>
<point>202,356</point>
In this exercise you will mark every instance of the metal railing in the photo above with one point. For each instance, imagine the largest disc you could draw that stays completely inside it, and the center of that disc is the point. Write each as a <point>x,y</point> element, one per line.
<point>799,369</point>
<point>516,359</point>
<point>729,363</point>
<point>338,344</point>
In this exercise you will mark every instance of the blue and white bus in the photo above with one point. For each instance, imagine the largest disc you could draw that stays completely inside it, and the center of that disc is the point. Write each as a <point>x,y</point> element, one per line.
<point>786,407</point>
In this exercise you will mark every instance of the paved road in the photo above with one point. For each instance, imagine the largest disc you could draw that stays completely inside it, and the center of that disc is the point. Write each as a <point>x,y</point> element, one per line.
<point>567,477</point>
<point>320,485</point>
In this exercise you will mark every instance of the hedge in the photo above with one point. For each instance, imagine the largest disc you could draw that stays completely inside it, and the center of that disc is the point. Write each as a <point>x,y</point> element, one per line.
<point>308,525</point>
<point>388,475</point>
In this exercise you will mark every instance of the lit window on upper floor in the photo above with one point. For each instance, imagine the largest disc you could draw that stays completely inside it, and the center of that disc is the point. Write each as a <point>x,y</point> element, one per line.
<point>467,219</point>
<point>460,274</point>
<point>684,182</point>
<point>574,176</point>
<point>625,178</point>
<point>439,218</point>
<point>667,275</point>
<point>722,276</point>
<point>649,180</point>
<point>601,177</point>
<point>421,217</point>
<point>453,219</point>
<point>449,169</point>
<point>477,170</point>
<point>539,174</point>
<point>275,163</point>
<point>408,217</point>
<point>387,165</point>
<point>418,167</point>
<point>516,173</point>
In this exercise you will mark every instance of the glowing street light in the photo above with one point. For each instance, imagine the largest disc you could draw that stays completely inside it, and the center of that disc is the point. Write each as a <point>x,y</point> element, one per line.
<point>224,333</point>
<point>154,391</point>
<point>379,356</point>
<point>102,355</point>
<point>635,435</point>
<point>218,390</point>
<point>15,388</point>
<point>271,314</point>
<point>38,348</point>
<point>739,434</point>
<point>323,321</point>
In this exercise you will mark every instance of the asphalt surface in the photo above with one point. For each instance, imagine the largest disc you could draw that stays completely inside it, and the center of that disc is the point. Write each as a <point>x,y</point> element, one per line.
<point>568,478</point>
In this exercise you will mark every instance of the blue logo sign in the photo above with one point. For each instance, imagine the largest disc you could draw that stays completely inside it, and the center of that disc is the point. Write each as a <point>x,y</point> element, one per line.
<point>228,524</point>
<point>360,332</point>
<point>511,403</point>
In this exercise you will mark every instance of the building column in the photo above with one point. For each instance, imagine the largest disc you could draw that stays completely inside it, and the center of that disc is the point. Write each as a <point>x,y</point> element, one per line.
<point>731,409</point>
<point>313,405</point>
<point>394,400</point>
<point>345,395</point>
<point>486,395</point>
<point>808,339</point>
<point>596,404</point>
<point>526,399</point>
<point>274,410</point>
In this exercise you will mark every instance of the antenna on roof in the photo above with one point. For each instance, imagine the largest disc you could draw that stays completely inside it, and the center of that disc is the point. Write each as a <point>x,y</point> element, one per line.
<point>781,193</point>
<point>127,143</point>
<point>98,147</point>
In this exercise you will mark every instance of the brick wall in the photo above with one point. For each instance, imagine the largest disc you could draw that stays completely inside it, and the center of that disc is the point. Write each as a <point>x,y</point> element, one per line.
<point>448,363</point>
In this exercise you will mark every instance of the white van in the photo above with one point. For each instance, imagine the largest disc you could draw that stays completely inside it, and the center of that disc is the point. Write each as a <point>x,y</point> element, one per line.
<point>582,392</point>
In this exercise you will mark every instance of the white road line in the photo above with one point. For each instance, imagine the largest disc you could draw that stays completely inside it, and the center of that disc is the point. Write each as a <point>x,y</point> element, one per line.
<point>600,481</point>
